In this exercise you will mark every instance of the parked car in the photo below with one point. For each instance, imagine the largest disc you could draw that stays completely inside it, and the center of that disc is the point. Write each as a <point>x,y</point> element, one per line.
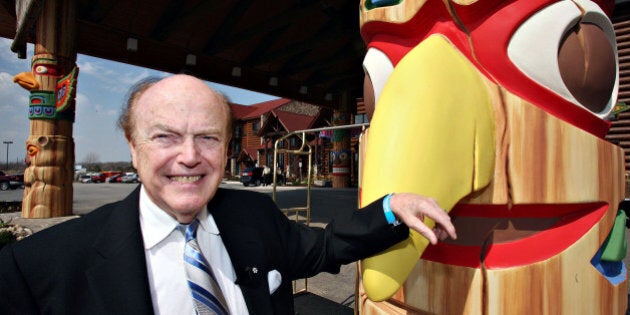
<point>11,181</point>
<point>130,178</point>
<point>85,179</point>
<point>114,178</point>
<point>98,178</point>
<point>252,176</point>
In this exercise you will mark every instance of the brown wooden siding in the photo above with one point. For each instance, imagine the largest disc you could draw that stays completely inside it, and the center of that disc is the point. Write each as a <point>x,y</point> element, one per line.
<point>619,132</point>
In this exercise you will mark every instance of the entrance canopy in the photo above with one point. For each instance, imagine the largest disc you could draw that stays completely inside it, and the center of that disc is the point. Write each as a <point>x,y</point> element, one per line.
<point>300,49</point>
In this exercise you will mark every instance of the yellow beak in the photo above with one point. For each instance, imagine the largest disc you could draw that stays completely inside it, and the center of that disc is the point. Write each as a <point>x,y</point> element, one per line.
<point>26,80</point>
<point>432,134</point>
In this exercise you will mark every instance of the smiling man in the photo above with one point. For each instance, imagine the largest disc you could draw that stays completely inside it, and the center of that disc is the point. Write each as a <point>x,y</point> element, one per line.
<point>179,244</point>
<point>178,138</point>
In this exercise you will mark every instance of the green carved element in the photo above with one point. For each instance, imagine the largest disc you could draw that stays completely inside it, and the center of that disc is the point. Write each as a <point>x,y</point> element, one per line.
<point>46,98</point>
<point>42,105</point>
<point>66,89</point>
<point>339,135</point>
<point>615,247</point>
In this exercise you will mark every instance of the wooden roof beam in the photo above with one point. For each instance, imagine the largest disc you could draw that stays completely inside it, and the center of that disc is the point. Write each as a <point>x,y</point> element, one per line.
<point>226,29</point>
<point>269,26</point>
<point>304,46</point>
<point>95,11</point>
<point>175,17</point>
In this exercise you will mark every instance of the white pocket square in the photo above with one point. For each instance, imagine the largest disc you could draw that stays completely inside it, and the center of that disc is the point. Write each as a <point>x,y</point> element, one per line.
<point>274,278</point>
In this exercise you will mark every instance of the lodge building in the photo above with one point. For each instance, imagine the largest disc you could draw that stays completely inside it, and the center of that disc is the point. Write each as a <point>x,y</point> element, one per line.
<point>258,126</point>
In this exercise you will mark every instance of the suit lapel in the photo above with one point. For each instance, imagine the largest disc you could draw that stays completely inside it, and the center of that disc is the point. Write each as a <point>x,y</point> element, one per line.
<point>246,251</point>
<point>119,277</point>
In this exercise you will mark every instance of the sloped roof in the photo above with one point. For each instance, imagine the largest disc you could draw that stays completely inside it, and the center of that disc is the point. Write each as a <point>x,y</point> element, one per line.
<point>293,122</point>
<point>239,111</point>
<point>251,150</point>
<point>243,112</point>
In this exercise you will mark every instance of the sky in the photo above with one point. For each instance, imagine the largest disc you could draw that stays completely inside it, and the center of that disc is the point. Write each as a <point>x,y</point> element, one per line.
<point>101,89</point>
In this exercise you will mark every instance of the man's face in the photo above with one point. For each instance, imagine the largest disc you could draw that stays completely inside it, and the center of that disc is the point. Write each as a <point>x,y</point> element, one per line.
<point>179,144</point>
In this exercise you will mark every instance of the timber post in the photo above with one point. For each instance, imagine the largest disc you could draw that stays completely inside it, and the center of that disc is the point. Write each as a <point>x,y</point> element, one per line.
<point>341,146</point>
<point>50,146</point>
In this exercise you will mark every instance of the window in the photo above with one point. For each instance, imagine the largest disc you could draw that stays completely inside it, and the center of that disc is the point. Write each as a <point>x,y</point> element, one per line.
<point>360,119</point>
<point>237,131</point>
<point>269,160</point>
<point>281,162</point>
<point>255,126</point>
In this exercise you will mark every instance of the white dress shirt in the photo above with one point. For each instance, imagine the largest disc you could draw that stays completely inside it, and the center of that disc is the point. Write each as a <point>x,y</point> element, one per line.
<point>164,250</point>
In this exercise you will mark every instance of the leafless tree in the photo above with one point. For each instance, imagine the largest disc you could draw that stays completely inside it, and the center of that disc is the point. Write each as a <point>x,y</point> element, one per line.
<point>91,161</point>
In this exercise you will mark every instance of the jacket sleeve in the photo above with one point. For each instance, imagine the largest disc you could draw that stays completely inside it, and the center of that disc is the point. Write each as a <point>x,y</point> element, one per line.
<point>347,238</point>
<point>15,294</point>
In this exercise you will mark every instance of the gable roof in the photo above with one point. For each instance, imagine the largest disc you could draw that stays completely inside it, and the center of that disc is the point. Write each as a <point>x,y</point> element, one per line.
<point>293,122</point>
<point>239,111</point>
<point>243,112</point>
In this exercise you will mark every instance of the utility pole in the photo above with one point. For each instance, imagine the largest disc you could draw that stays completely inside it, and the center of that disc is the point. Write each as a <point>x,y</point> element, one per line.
<point>7,143</point>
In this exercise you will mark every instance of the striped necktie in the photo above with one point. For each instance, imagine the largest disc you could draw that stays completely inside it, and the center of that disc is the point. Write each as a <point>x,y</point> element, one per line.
<point>206,294</point>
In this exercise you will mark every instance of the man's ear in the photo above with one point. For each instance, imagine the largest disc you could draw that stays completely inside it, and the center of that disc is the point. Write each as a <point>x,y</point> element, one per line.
<point>132,149</point>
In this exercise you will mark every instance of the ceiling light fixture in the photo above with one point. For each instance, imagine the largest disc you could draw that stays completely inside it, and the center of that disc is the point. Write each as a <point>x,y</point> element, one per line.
<point>132,44</point>
<point>236,71</point>
<point>191,60</point>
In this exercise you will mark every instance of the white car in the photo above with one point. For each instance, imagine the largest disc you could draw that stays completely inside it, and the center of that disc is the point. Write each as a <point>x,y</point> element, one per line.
<point>130,178</point>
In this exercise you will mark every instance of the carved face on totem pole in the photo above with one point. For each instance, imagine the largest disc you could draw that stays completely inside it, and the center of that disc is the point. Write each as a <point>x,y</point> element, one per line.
<point>341,162</point>
<point>51,99</point>
<point>498,109</point>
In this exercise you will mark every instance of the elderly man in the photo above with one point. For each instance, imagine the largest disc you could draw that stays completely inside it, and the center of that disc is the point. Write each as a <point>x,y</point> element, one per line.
<point>179,243</point>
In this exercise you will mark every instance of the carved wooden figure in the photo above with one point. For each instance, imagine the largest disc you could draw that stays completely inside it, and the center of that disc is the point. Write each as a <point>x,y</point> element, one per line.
<point>51,82</point>
<point>498,108</point>
<point>341,150</point>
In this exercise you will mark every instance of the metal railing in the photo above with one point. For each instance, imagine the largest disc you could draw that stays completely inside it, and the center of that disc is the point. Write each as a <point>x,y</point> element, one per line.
<point>304,149</point>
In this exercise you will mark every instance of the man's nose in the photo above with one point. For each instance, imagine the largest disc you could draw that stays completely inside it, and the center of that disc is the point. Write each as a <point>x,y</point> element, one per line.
<point>189,153</point>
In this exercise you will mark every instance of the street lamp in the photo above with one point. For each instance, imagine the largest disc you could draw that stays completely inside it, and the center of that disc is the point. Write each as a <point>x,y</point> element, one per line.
<point>7,143</point>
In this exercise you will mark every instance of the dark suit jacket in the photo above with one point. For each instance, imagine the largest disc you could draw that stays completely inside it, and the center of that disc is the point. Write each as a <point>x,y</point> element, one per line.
<point>96,264</point>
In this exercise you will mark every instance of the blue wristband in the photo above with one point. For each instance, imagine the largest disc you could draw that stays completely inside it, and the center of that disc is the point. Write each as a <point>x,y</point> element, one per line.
<point>387,209</point>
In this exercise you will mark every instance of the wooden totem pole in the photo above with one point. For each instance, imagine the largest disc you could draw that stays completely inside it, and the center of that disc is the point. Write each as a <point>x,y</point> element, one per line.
<point>341,150</point>
<point>51,82</point>
<point>496,109</point>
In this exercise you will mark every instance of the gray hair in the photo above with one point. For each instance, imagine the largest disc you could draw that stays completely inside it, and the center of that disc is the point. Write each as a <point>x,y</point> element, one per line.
<point>125,121</point>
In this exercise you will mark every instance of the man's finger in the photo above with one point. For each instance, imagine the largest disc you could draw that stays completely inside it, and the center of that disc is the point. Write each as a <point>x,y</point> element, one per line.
<point>425,231</point>
<point>443,220</point>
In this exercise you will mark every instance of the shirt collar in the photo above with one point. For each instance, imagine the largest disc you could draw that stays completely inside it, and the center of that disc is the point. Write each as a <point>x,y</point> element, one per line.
<point>157,224</point>
<point>206,221</point>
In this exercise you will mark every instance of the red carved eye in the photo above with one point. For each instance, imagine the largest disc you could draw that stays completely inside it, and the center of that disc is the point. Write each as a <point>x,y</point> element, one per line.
<point>41,70</point>
<point>44,69</point>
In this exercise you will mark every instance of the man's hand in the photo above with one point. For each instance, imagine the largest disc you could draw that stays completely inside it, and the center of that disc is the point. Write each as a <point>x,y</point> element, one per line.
<point>411,210</point>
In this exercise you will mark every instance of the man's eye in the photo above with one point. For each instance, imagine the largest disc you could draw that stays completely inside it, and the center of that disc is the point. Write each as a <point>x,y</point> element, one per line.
<point>164,138</point>
<point>209,140</point>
